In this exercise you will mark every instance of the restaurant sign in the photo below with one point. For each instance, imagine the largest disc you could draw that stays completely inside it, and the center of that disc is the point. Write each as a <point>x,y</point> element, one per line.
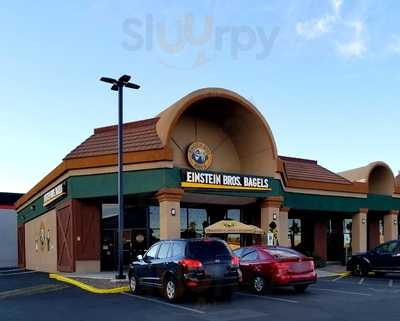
<point>211,180</point>
<point>54,194</point>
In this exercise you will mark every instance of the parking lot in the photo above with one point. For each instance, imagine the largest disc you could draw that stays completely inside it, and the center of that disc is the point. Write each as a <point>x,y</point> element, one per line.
<point>33,296</point>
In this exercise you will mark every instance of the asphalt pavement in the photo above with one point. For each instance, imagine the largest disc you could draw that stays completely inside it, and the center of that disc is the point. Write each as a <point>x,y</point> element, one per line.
<point>335,298</point>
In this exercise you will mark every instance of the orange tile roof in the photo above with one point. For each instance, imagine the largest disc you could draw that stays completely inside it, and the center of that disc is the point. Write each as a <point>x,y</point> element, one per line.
<point>309,170</point>
<point>138,136</point>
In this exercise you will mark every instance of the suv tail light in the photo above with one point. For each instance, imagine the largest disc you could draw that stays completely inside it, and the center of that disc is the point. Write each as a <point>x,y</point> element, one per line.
<point>235,261</point>
<point>190,264</point>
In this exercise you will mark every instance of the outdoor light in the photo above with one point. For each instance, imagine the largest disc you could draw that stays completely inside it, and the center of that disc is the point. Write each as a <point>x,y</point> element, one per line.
<point>274,216</point>
<point>118,85</point>
<point>363,221</point>
<point>33,207</point>
<point>395,221</point>
<point>173,211</point>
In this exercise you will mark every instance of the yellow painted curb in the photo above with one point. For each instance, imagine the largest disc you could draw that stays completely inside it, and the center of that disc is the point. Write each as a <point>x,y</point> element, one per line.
<point>344,274</point>
<point>87,287</point>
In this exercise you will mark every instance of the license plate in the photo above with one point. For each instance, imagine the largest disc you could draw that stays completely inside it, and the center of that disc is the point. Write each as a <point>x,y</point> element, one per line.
<point>299,267</point>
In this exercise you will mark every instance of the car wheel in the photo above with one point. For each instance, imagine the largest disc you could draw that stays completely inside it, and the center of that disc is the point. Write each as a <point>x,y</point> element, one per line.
<point>359,270</point>
<point>133,286</point>
<point>300,288</point>
<point>258,284</point>
<point>171,290</point>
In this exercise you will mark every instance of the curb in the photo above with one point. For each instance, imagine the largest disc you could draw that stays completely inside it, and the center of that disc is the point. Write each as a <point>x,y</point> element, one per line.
<point>87,287</point>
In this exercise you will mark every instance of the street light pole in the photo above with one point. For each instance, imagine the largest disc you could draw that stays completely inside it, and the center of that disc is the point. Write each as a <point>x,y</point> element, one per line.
<point>118,85</point>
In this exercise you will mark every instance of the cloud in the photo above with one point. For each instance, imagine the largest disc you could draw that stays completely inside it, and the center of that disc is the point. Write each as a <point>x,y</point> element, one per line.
<point>333,21</point>
<point>356,47</point>
<point>316,27</point>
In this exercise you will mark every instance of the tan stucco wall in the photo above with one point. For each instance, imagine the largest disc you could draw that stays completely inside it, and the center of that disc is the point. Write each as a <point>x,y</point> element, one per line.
<point>41,258</point>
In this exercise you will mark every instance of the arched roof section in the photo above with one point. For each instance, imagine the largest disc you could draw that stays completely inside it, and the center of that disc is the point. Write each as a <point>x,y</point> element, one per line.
<point>378,176</point>
<point>223,104</point>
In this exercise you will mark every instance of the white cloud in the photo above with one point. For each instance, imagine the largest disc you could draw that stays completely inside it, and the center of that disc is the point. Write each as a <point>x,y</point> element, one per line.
<point>314,28</point>
<point>333,21</point>
<point>356,47</point>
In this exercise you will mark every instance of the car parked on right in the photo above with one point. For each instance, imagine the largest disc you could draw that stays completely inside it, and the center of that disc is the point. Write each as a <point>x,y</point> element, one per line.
<point>266,267</point>
<point>385,258</point>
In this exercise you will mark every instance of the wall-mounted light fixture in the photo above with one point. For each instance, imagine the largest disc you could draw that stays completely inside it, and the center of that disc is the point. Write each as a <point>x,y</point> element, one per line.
<point>363,220</point>
<point>173,211</point>
<point>395,221</point>
<point>274,216</point>
<point>33,207</point>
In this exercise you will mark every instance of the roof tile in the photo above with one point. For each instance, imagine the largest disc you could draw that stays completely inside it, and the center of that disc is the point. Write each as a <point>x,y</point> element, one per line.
<point>138,136</point>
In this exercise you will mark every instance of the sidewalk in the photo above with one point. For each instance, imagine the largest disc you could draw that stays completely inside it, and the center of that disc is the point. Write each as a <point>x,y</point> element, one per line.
<point>331,270</point>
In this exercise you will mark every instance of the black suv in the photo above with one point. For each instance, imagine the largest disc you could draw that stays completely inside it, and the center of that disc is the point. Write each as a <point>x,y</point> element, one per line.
<point>383,259</point>
<point>176,266</point>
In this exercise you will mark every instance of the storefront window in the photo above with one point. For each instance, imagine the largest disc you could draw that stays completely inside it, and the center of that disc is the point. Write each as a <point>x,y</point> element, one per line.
<point>154,224</point>
<point>233,214</point>
<point>294,232</point>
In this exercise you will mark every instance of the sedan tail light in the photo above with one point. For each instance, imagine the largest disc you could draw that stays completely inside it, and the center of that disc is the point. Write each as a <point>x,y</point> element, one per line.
<point>190,264</point>
<point>235,261</point>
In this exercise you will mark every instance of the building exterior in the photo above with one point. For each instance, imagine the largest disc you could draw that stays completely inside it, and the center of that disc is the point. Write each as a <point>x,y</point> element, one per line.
<point>8,229</point>
<point>210,156</point>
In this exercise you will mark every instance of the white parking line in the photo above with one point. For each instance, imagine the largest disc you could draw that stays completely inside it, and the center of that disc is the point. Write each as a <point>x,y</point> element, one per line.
<point>341,291</point>
<point>17,273</point>
<point>361,281</point>
<point>266,297</point>
<point>390,283</point>
<point>176,306</point>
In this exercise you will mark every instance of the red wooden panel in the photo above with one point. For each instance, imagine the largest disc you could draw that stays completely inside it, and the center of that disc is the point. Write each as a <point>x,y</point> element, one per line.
<point>87,230</point>
<point>65,238</point>
<point>21,246</point>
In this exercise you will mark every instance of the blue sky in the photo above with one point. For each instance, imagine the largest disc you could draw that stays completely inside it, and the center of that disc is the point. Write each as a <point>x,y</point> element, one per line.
<point>325,74</point>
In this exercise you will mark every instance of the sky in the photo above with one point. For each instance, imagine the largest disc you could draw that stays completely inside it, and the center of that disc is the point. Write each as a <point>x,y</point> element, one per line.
<point>324,73</point>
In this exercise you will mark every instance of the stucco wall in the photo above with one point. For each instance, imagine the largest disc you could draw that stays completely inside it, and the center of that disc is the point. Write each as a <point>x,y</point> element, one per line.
<point>8,232</point>
<point>42,256</point>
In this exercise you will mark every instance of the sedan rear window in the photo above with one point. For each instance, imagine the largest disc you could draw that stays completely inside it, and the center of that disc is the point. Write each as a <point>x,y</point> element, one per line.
<point>283,253</point>
<point>207,251</point>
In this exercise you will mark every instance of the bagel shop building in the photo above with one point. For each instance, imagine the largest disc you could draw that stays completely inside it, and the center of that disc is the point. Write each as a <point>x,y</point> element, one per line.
<point>211,156</point>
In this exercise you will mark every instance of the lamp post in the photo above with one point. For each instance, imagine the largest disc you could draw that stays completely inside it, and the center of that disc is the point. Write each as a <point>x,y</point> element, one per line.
<point>118,85</point>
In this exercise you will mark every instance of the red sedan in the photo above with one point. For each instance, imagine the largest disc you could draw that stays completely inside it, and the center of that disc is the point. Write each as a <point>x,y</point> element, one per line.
<point>267,267</point>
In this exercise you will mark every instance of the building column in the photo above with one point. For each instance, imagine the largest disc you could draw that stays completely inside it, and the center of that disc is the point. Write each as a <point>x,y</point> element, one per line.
<point>359,231</point>
<point>373,231</point>
<point>320,239</point>
<point>270,212</point>
<point>284,226</point>
<point>390,226</point>
<point>170,216</point>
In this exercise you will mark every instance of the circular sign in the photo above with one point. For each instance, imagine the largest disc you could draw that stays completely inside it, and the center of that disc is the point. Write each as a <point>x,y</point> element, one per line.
<point>199,156</point>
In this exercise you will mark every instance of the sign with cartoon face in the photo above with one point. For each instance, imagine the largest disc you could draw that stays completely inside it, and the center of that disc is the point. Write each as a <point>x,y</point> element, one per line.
<point>199,156</point>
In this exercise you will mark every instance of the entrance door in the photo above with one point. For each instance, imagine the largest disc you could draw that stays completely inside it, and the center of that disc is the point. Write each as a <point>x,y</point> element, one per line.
<point>335,245</point>
<point>65,244</point>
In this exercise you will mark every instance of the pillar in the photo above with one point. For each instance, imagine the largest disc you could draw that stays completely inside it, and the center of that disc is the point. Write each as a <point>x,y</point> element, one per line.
<point>170,224</point>
<point>373,231</point>
<point>320,238</point>
<point>284,226</point>
<point>359,231</point>
<point>270,212</point>
<point>390,226</point>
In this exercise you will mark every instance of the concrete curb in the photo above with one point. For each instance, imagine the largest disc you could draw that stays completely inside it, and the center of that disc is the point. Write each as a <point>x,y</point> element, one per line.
<point>87,287</point>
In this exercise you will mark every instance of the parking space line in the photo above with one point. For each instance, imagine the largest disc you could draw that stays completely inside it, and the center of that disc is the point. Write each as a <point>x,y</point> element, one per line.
<point>17,273</point>
<point>266,297</point>
<point>361,281</point>
<point>390,283</point>
<point>342,291</point>
<point>176,306</point>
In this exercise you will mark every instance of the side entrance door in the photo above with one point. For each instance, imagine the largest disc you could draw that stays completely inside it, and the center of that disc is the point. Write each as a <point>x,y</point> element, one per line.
<point>65,245</point>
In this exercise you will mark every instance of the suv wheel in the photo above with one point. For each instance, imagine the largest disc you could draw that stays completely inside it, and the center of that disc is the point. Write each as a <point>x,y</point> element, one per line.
<point>258,284</point>
<point>171,290</point>
<point>133,286</point>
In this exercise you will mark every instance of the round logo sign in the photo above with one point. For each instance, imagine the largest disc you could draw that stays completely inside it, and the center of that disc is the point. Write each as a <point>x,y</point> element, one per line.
<point>199,156</point>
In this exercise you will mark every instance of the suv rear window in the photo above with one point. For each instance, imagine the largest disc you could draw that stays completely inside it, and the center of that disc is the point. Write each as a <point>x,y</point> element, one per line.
<point>206,251</point>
